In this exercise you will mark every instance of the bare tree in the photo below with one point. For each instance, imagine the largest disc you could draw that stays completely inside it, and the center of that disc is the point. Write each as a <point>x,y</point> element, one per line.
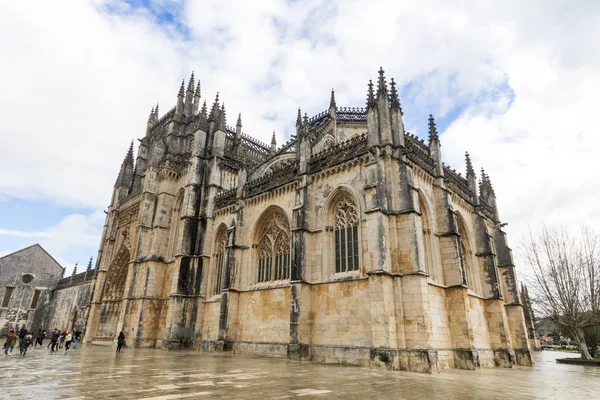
<point>566,278</point>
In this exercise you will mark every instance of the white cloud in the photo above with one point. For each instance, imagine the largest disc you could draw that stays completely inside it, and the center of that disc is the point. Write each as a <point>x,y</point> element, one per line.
<point>79,84</point>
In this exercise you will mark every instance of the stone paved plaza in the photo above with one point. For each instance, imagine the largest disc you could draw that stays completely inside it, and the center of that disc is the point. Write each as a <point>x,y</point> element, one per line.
<point>96,372</point>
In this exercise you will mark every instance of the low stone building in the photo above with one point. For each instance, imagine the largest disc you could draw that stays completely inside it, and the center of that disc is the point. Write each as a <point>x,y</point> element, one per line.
<point>38,297</point>
<point>27,278</point>
<point>351,243</point>
<point>69,302</point>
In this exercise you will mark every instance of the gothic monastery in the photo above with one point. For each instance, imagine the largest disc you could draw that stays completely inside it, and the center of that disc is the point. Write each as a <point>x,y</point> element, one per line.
<point>351,243</point>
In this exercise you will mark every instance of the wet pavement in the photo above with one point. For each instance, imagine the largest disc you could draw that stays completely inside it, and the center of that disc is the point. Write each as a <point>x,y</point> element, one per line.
<point>96,372</point>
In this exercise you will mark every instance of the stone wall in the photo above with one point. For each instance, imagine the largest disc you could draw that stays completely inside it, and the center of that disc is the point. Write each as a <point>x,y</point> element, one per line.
<point>69,305</point>
<point>22,274</point>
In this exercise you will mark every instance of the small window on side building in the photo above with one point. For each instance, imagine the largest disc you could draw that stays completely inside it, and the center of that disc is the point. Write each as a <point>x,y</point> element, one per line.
<point>36,298</point>
<point>7,294</point>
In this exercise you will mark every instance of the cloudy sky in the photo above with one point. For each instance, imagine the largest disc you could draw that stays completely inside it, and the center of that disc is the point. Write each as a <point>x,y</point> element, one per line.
<point>515,83</point>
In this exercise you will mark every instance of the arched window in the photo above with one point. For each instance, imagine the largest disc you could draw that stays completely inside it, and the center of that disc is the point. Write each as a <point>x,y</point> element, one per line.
<point>274,248</point>
<point>346,235</point>
<point>466,254</point>
<point>173,249</point>
<point>219,257</point>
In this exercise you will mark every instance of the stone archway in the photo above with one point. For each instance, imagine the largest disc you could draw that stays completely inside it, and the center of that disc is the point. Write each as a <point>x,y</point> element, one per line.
<point>112,295</point>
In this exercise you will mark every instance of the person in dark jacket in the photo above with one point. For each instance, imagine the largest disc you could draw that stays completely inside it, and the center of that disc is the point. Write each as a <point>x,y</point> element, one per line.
<point>40,337</point>
<point>54,339</point>
<point>120,341</point>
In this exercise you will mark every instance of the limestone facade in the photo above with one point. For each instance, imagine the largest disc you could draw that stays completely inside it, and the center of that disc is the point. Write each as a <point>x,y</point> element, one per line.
<point>351,243</point>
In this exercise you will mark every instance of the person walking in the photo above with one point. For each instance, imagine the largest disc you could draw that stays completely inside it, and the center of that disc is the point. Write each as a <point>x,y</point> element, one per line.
<point>9,344</point>
<point>22,333</point>
<point>120,341</point>
<point>68,340</point>
<point>76,338</point>
<point>54,340</point>
<point>25,343</point>
<point>62,339</point>
<point>40,337</point>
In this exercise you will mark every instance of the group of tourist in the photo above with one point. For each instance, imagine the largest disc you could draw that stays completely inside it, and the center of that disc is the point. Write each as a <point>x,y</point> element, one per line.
<point>24,338</point>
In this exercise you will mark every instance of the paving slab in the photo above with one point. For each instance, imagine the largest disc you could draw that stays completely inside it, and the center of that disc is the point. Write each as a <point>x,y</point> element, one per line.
<point>97,372</point>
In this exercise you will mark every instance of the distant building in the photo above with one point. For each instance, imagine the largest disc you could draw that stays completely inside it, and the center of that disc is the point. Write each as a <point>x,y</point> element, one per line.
<point>35,294</point>
<point>27,278</point>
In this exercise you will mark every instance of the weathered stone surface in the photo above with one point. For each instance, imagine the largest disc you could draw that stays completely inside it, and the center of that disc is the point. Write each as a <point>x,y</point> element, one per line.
<point>350,244</point>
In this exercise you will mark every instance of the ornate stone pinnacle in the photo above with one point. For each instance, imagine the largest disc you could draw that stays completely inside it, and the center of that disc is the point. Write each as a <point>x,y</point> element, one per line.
<point>394,99</point>
<point>129,157</point>
<point>370,94</point>
<point>191,83</point>
<point>214,111</point>
<point>89,267</point>
<point>433,134</point>
<point>156,115</point>
<point>299,118</point>
<point>470,170</point>
<point>204,110</point>
<point>332,100</point>
<point>305,119</point>
<point>151,116</point>
<point>197,93</point>
<point>381,85</point>
<point>273,139</point>
<point>74,269</point>
<point>181,88</point>
<point>239,121</point>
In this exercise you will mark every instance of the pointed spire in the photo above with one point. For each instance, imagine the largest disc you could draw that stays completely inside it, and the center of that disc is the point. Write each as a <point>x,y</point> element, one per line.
<point>394,100</point>
<point>197,93</point>
<point>470,170</point>
<point>191,83</point>
<point>305,119</point>
<point>151,116</point>
<point>332,101</point>
<point>204,110</point>
<point>74,269</point>
<point>129,157</point>
<point>433,134</point>
<point>223,117</point>
<point>181,89</point>
<point>370,95</point>
<point>299,118</point>
<point>273,143</point>
<point>381,85</point>
<point>156,115</point>
<point>214,111</point>
<point>89,266</point>
<point>239,120</point>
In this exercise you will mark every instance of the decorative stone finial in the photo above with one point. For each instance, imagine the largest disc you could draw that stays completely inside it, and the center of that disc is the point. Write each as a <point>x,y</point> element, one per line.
<point>332,101</point>
<point>197,93</point>
<point>394,99</point>
<point>299,118</point>
<point>151,116</point>
<point>129,157</point>
<point>370,94</point>
<point>204,111</point>
<point>214,111</point>
<point>433,134</point>
<point>239,121</point>
<point>470,170</point>
<point>89,266</point>
<point>191,83</point>
<point>74,269</point>
<point>181,88</point>
<point>156,115</point>
<point>381,84</point>
<point>273,142</point>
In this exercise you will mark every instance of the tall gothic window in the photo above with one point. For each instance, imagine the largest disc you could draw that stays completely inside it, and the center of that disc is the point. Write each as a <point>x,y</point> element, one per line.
<point>220,261</point>
<point>346,235</point>
<point>274,249</point>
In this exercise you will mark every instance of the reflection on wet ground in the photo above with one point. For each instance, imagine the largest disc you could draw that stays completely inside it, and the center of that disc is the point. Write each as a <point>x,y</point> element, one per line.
<point>95,372</point>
